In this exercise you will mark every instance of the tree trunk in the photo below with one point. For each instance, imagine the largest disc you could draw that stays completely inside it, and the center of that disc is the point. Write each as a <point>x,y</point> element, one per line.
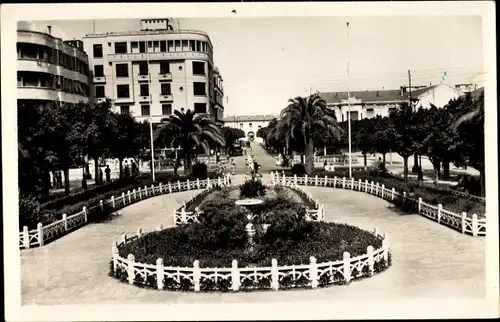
<point>364,160</point>
<point>66,181</point>
<point>46,183</point>
<point>415,163</point>
<point>383,158</point>
<point>309,157</point>
<point>446,168</point>
<point>437,166</point>
<point>302,158</point>
<point>96,171</point>
<point>187,164</point>
<point>482,182</point>
<point>405,167</point>
<point>120,166</point>
<point>87,169</point>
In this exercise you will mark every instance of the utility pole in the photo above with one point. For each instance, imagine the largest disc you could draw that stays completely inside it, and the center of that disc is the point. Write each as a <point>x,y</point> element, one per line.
<point>349,107</point>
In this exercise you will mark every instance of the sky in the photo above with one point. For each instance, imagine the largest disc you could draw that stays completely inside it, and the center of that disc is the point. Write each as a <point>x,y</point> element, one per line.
<point>266,61</point>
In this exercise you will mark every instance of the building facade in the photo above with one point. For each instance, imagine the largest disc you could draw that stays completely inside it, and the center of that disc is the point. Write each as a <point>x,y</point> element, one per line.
<point>250,124</point>
<point>155,71</point>
<point>50,69</point>
<point>369,104</point>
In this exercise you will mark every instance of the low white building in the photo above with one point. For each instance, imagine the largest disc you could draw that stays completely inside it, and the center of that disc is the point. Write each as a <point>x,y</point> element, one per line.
<point>250,124</point>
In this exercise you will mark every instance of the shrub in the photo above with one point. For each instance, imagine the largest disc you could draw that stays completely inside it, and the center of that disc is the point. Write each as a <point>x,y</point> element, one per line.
<point>29,212</point>
<point>252,188</point>
<point>298,169</point>
<point>200,170</point>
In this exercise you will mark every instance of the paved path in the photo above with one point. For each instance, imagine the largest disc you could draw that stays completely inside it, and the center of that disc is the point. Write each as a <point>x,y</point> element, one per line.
<point>429,260</point>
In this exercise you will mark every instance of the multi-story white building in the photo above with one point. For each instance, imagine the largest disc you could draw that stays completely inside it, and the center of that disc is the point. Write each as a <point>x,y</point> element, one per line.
<point>369,104</point>
<point>155,71</point>
<point>50,69</point>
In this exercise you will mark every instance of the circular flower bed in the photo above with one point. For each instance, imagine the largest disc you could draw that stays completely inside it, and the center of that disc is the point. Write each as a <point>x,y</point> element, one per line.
<point>216,253</point>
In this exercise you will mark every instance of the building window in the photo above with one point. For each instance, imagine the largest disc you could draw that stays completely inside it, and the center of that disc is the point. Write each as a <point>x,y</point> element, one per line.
<point>250,125</point>
<point>134,46</point>
<point>163,46</point>
<point>120,47</point>
<point>98,71</point>
<point>198,68</point>
<point>99,91</point>
<point>166,89</point>
<point>192,45</point>
<point>125,109</point>
<point>142,47</point>
<point>200,107</point>
<point>122,91</point>
<point>143,69</point>
<point>166,109</point>
<point>164,67</point>
<point>145,110</point>
<point>98,51</point>
<point>144,90</point>
<point>241,125</point>
<point>199,89</point>
<point>121,70</point>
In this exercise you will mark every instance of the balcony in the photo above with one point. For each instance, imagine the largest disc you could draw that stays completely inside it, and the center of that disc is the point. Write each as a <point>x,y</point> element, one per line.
<point>142,78</point>
<point>165,77</point>
<point>99,79</point>
<point>166,98</point>
<point>159,56</point>
<point>124,100</point>
<point>144,98</point>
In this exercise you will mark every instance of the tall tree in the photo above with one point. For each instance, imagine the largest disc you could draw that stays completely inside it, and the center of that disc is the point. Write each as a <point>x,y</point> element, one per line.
<point>307,115</point>
<point>363,136</point>
<point>231,135</point>
<point>189,130</point>
<point>383,136</point>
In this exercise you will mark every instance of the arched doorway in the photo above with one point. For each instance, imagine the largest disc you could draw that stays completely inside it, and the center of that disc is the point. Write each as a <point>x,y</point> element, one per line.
<point>251,136</point>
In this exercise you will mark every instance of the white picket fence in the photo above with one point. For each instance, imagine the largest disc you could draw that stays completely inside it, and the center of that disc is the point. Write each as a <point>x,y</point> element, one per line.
<point>474,226</point>
<point>237,278</point>
<point>42,234</point>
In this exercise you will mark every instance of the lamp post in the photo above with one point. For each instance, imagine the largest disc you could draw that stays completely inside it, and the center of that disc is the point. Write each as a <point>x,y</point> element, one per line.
<point>349,109</point>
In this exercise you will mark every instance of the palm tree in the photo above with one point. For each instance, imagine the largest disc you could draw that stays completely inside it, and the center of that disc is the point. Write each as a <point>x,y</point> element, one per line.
<point>189,130</point>
<point>476,115</point>
<point>305,116</point>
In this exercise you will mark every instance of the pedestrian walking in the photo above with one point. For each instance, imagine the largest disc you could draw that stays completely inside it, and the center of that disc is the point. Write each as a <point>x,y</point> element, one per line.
<point>233,167</point>
<point>108,174</point>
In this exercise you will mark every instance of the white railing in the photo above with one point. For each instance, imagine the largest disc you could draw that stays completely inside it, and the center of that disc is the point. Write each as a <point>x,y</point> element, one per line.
<point>461,222</point>
<point>42,234</point>
<point>236,278</point>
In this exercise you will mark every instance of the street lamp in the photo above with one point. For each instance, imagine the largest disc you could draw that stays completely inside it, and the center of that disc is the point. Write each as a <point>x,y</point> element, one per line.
<point>349,110</point>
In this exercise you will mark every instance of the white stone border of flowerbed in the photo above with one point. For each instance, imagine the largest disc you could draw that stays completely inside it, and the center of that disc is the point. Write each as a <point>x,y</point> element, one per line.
<point>237,278</point>
<point>38,237</point>
<point>474,226</point>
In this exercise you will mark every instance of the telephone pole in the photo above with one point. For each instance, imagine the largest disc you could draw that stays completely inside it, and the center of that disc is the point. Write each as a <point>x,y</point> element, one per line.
<point>349,106</point>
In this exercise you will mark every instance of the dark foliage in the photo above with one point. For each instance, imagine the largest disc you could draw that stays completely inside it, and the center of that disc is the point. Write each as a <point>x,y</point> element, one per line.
<point>200,170</point>
<point>298,169</point>
<point>252,188</point>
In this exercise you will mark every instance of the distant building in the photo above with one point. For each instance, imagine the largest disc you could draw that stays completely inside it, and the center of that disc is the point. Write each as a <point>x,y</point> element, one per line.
<point>369,104</point>
<point>50,69</point>
<point>250,124</point>
<point>156,70</point>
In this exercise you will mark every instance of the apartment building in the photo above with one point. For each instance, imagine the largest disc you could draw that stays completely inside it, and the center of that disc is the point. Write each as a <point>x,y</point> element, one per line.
<point>154,71</point>
<point>50,69</point>
<point>369,104</point>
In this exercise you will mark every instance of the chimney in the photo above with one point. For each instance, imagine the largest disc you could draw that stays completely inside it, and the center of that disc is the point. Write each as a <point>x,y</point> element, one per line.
<point>49,30</point>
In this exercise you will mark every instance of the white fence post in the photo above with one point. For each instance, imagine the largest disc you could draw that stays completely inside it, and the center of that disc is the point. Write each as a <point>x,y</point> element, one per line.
<point>347,267</point>
<point>129,197</point>
<point>343,183</point>
<point>209,184</point>
<point>306,180</point>
<point>130,268</point>
<point>385,245</point>
<point>316,180</point>
<point>274,275</point>
<point>198,183</point>
<point>85,215</point>
<point>219,181</point>
<point>140,192</point>
<point>169,187</point>
<point>376,189</point>
<point>404,195</point>
<point>392,195</point>
<point>359,185</point>
<point>475,226</point>
<point>101,204</point>
<point>39,229</point>
<point>145,191</point>
<point>159,273</point>
<point>383,190</point>
<point>235,276</point>
<point>419,204</point>
<point>26,237</point>
<point>352,183</point>
<point>152,189</point>
<point>369,251</point>
<point>440,207</point>
<point>113,200</point>
<point>196,275</point>
<point>123,198</point>
<point>326,181</point>
<point>464,217</point>
<point>371,187</point>
<point>283,177</point>
<point>161,188</point>
<point>183,214</point>
<point>295,179</point>
<point>179,185</point>
<point>313,272</point>
<point>366,185</point>
<point>65,220</point>
<point>188,185</point>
